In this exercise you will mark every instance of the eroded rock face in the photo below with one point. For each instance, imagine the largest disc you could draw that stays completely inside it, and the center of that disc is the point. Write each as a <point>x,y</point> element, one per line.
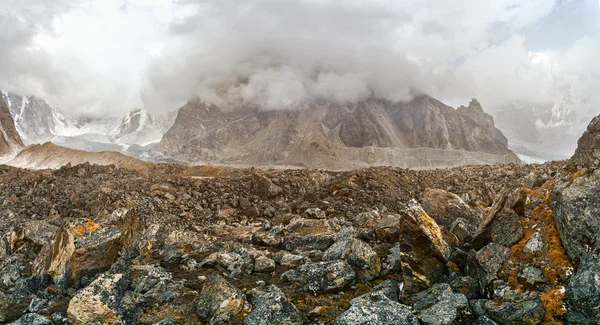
<point>219,300</point>
<point>10,141</point>
<point>423,250</point>
<point>587,153</point>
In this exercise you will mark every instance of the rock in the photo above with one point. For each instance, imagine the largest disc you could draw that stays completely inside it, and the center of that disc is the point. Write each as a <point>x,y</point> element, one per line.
<point>263,264</point>
<point>386,230</point>
<point>292,260</point>
<point>484,321</point>
<point>485,264</point>
<point>377,311</point>
<point>322,277</point>
<point>504,312</point>
<point>463,230</point>
<point>583,290</point>
<point>390,289</point>
<point>272,307</point>
<point>467,286</point>
<point>99,302</point>
<point>358,254</point>
<point>219,300</point>
<point>575,205</point>
<point>308,234</point>
<point>445,208</point>
<point>534,244</point>
<point>392,263</point>
<point>588,146</point>
<point>423,251</point>
<point>264,187</point>
<point>502,224</point>
<point>314,213</point>
<point>79,249</point>
<point>32,319</point>
<point>532,275</point>
<point>165,322</point>
<point>439,305</point>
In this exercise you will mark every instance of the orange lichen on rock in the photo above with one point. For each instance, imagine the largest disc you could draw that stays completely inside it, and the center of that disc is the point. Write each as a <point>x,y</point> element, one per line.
<point>552,300</point>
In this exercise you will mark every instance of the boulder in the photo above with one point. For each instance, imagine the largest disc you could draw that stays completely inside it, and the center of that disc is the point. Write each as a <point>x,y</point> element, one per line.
<point>502,223</point>
<point>263,264</point>
<point>439,305</point>
<point>358,254</point>
<point>264,187</point>
<point>484,321</point>
<point>377,311</point>
<point>308,234</point>
<point>219,300</point>
<point>390,289</point>
<point>583,289</point>
<point>99,302</point>
<point>322,277</point>
<point>485,264</point>
<point>423,251</point>
<point>386,229</point>
<point>588,146</point>
<point>575,205</point>
<point>79,249</point>
<point>32,319</point>
<point>506,312</point>
<point>272,307</point>
<point>445,207</point>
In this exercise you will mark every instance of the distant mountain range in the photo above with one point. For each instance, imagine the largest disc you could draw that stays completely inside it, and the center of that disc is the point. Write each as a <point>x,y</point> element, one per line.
<point>38,122</point>
<point>422,133</point>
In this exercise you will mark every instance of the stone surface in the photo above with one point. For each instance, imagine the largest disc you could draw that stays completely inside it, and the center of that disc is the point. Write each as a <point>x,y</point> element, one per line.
<point>423,251</point>
<point>272,307</point>
<point>322,277</point>
<point>587,153</point>
<point>99,302</point>
<point>32,319</point>
<point>377,311</point>
<point>486,263</point>
<point>219,300</point>
<point>583,290</point>
<point>358,254</point>
<point>445,208</point>
<point>439,305</point>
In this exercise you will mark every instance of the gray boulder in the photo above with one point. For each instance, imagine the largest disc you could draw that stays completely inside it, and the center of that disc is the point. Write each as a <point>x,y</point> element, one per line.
<point>377,311</point>
<point>32,319</point>
<point>583,290</point>
<point>219,300</point>
<point>358,254</point>
<point>322,277</point>
<point>272,307</point>
<point>439,305</point>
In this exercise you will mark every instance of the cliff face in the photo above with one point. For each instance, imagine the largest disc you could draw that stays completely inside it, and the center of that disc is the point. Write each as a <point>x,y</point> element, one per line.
<point>588,147</point>
<point>323,134</point>
<point>476,113</point>
<point>10,141</point>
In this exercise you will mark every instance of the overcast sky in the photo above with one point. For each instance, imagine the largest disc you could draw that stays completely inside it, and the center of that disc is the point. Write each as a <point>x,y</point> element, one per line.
<point>105,57</point>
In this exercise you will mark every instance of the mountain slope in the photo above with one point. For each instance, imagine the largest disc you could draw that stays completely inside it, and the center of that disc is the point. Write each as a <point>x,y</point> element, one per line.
<point>10,141</point>
<point>421,133</point>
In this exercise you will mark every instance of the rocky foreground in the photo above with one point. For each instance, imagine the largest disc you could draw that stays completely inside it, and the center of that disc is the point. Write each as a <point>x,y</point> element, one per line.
<point>506,244</point>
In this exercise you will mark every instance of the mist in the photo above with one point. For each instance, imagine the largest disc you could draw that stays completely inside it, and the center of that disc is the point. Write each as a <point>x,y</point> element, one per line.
<point>104,58</point>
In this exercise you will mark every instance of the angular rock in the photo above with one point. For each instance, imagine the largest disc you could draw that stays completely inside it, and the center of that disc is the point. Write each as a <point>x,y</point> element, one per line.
<point>263,264</point>
<point>390,289</point>
<point>485,264</point>
<point>445,208</point>
<point>32,319</point>
<point>264,187</point>
<point>534,244</point>
<point>502,224</point>
<point>583,290</point>
<point>99,302</point>
<point>575,205</point>
<point>484,321</point>
<point>588,146</point>
<point>387,230</point>
<point>529,311</point>
<point>377,311</point>
<point>314,213</point>
<point>322,277</point>
<point>439,305</point>
<point>272,307</point>
<point>79,249</point>
<point>219,300</point>
<point>358,254</point>
<point>423,251</point>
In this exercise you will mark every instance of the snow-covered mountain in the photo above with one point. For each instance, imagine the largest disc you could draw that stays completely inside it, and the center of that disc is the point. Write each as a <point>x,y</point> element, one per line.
<point>39,122</point>
<point>550,131</point>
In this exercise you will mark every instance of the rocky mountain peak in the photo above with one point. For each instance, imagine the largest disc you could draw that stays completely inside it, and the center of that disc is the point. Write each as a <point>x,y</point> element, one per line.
<point>588,147</point>
<point>10,141</point>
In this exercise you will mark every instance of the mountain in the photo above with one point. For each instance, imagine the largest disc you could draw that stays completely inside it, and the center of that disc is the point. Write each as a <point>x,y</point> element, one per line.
<point>420,133</point>
<point>10,141</point>
<point>38,122</point>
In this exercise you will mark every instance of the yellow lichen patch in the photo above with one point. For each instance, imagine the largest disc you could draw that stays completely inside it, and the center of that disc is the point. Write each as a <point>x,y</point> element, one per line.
<point>91,226</point>
<point>577,174</point>
<point>552,301</point>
